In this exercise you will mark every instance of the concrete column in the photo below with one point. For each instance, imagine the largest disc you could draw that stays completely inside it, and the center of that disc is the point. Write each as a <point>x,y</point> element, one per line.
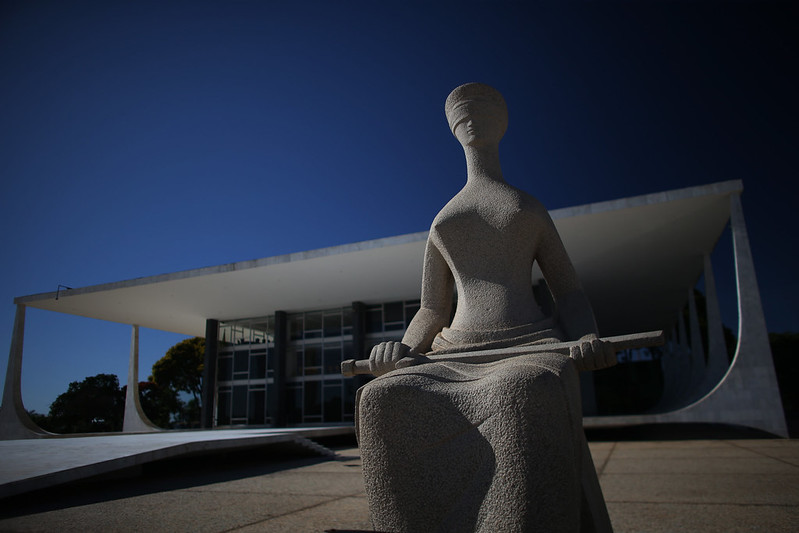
<point>682,335</point>
<point>668,366</point>
<point>277,391</point>
<point>209,373</point>
<point>682,369</point>
<point>756,397</point>
<point>135,420</point>
<point>717,362</point>
<point>697,374</point>
<point>14,420</point>
<point>748,395</point>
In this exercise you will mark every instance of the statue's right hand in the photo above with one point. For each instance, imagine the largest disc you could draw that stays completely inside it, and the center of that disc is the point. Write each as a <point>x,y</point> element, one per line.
<point>388,356</point>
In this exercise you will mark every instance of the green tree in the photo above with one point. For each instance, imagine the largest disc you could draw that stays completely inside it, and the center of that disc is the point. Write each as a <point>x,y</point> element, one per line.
<point>93,405</point>
<point>161,405</point>
<point>41,420</point>
<point>181,371</point>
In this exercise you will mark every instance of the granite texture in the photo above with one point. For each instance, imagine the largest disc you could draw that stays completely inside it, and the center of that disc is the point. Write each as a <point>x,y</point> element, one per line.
<point>488,447</point>
<point>493,446</point>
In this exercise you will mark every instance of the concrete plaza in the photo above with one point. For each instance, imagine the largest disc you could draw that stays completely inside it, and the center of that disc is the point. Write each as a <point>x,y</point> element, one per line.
<point>723,484</point>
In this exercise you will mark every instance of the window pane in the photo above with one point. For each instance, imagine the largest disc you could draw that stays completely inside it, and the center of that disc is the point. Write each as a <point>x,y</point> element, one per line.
<point>225,371</point>
<point>313,398</point>
<point>295,327</point>
<point>256,407</point>
<point>313,321</point>
<point>223,408</point>
<point>294,364</point>
<point>240,361</point>
<point>347,352</point>
<point>349,396</point>
<point>346,320</point>
<point>313,357</point>
<point>332,358</point>
<point>294,402</point>
<point>410,312</point>
<point>333,325</point>
<point>333,404</point>
<point>240,401</point>
<point>224,333</point>
<point>257,366</point>
<point>374,321</point>
<point>393,312</point>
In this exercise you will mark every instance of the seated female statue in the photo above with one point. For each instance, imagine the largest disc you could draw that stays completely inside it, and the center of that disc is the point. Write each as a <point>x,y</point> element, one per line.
<point>493,446</point>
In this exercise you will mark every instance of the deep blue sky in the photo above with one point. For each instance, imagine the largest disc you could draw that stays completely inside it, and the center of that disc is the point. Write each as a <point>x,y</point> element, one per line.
<point>143,138</point>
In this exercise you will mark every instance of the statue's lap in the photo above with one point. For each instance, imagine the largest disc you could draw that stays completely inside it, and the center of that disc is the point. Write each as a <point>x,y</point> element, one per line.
<point>458,446</point>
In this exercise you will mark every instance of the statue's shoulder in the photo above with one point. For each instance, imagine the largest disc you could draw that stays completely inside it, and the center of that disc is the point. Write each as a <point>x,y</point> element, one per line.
<point>531,204</point>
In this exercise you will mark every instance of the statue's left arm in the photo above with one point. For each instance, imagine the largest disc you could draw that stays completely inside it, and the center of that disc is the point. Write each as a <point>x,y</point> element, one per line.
<point>573,309</point>
<point>434,313</point>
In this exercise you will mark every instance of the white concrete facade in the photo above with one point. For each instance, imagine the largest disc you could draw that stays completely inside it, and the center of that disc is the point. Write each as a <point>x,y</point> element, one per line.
<point>636,256</point>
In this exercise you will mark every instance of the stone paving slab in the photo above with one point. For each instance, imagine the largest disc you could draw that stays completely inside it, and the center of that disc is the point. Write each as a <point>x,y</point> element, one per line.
<point>673,518</point>
<point>259,493</point>
<point>173,511</point>
<point>349,513</point>
<point>696,465</point>
<point>702,485</point>
<point>702,489</point>
<point>600,453</point>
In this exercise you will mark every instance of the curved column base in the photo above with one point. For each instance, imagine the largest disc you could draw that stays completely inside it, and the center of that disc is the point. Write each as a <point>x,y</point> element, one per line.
<point>14,420</point>
<point>746,397</point>
<point>16,425</point>
<point>135,420</point>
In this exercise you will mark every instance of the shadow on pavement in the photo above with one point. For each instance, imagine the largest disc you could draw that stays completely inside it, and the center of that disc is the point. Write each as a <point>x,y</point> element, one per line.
<point>161,476</point>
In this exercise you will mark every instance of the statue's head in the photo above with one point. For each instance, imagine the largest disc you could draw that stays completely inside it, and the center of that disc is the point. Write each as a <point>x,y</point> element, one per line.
<point>476,114</point>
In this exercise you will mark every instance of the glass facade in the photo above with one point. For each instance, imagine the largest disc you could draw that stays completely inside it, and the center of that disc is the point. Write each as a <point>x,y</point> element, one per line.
<point>387,322</point>
<point>245,370</point>
<point>313,389</point>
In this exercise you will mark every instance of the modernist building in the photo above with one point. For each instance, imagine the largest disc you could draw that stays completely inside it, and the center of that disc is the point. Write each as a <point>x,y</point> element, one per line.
<point>278,328</point>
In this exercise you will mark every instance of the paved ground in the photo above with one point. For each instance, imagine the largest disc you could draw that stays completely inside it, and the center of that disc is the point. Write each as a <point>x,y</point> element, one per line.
<point>33,464</point>
<point>650,486</point>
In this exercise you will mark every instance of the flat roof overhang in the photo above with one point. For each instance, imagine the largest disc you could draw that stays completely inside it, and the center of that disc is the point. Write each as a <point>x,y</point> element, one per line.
<point>636,257</point>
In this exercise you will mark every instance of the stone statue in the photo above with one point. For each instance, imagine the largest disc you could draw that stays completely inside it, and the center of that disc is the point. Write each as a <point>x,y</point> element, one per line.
<point>498,446</point>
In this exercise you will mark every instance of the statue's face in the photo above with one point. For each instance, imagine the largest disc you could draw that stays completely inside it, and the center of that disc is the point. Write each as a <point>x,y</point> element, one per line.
<point>479,124</point>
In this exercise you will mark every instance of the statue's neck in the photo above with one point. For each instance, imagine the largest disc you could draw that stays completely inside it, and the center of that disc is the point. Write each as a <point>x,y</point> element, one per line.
<point>482,164</point>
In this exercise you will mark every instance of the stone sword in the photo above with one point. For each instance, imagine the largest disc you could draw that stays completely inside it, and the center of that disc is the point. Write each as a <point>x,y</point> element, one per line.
<point>351,367</point>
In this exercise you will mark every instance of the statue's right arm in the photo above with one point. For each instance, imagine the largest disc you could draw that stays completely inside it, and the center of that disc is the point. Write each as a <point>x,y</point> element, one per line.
<point>434,313</point>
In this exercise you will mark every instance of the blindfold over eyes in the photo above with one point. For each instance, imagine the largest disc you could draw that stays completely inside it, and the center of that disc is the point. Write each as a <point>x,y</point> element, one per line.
<point>470,108</point>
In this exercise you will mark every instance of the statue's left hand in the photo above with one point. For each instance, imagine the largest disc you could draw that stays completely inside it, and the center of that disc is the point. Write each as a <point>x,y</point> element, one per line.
<point>388,356</point>
<point>592,353</point>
